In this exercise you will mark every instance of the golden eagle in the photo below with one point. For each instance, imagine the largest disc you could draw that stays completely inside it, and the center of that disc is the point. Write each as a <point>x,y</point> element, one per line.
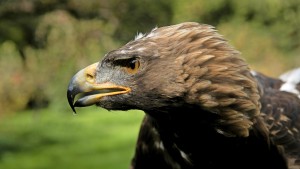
<point>204,107</point>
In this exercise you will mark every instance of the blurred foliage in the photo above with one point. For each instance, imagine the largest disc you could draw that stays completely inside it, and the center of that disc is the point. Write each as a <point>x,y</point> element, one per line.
<point>43,43</point>
<point>55,140</point>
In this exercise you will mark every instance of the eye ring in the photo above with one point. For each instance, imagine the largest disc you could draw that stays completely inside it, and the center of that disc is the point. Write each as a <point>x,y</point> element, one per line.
<point>133,66</point>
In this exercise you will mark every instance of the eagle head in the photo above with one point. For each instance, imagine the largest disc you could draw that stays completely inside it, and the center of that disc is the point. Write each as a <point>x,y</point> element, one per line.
<point>177,67</point>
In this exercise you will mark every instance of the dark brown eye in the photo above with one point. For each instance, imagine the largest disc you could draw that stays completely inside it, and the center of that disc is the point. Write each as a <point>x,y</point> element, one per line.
<point>133,66</point>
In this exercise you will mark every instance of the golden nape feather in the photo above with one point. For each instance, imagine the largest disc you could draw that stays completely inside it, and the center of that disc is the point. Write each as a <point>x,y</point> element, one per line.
<point>204,107</point>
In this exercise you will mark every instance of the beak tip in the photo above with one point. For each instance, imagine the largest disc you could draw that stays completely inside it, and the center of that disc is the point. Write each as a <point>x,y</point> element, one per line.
<point>74,111</point>
<point>70,97</point>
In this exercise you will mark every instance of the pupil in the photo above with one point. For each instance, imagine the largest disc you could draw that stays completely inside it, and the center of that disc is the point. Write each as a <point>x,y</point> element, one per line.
<point>132,64</point>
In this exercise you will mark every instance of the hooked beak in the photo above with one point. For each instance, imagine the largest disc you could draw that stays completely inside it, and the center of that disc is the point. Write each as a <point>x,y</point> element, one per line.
<point>84,83</point>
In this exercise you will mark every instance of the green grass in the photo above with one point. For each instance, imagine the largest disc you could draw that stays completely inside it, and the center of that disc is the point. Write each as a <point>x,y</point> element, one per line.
<point>46,139</point>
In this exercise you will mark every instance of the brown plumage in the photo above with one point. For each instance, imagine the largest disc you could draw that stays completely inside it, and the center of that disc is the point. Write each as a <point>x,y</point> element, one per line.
<point>280,112</point>
<point>203,106</point>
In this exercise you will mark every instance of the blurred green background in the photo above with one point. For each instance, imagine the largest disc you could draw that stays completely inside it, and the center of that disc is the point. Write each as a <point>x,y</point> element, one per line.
<point>43,43</point>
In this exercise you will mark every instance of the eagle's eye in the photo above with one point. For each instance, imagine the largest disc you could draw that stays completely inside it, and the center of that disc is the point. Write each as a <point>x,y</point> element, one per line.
<point>133,66</point>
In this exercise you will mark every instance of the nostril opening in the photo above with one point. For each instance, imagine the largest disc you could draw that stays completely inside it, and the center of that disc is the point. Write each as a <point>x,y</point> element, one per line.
<point>90,78</point>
